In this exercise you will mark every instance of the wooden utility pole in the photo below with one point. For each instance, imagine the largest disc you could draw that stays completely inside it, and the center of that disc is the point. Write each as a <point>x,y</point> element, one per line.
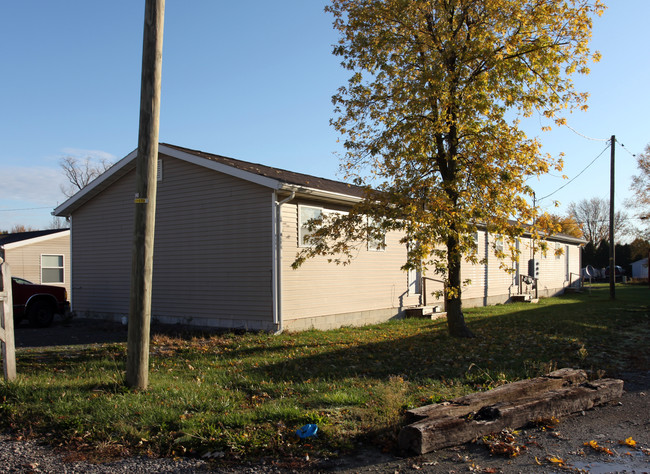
<point>612,244</point>
<point>137,362</point>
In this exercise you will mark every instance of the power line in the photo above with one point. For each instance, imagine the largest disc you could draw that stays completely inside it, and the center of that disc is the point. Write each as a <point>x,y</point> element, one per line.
<point>627,151</point>
<point>585,136</point>
<point>576,176</point>
<point>26,209</point>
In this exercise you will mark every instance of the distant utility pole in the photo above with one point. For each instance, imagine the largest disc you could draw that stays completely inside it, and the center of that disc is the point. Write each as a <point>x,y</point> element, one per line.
<point>137,361</point>
<point>612,244</point>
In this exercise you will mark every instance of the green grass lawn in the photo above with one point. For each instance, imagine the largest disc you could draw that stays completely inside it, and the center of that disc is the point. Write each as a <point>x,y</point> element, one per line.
<point>245,395</point>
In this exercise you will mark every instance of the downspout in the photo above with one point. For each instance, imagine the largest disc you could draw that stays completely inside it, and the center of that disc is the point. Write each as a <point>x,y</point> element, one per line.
<point>277,257</point>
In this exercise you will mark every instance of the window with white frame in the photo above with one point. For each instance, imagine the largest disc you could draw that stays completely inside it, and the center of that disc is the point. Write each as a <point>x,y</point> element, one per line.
<point>374,244</point>
<point>306,214</point>
<point>558,250</point>
<point>475,240</point>
<point>498,243</point>
<point>52,270</point>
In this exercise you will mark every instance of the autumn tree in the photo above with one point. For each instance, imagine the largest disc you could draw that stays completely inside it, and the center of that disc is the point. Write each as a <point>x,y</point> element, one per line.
<point>592,216</point>
<point>429,118</point>
<point>555,224</point>
<point>641,189</point>
<point>80,172</point>
<point>639,249</point>
<point>19,228</point>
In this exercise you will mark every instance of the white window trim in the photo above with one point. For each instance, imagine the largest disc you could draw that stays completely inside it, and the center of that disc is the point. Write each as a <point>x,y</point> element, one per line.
<point>62,267</point>
<point>475,239</point>
<point>324,212</point>
<point>499,243</point>
<point>381,247</point>
<point>302,224</point>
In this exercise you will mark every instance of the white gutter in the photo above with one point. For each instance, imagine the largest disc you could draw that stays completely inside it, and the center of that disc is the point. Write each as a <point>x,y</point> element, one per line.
<point>277,259</point>
<point>324,195</point>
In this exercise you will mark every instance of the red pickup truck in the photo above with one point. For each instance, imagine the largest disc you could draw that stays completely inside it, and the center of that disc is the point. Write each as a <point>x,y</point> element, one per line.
<point>38,303</point>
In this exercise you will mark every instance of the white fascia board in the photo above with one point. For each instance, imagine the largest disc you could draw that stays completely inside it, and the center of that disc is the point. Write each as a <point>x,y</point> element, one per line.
<point>566,239</point>
<point>320,194</point>
<point>36,240</point>
<point>220,167</point>
<point>102,178</point>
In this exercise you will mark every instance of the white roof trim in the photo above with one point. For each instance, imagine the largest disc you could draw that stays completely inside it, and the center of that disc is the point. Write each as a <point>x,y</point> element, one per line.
<point>275,184</point>
<point>319,193</point>
<point>105,176</point>
<point>36,240</point>
<point>114,170</point>
<point>220,167</point>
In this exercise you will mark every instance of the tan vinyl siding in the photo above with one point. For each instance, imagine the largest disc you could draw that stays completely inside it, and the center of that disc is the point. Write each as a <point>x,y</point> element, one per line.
<point>212,251</point>
<point>25,260</point>
<point>492,284</point>
<point>373,281</point>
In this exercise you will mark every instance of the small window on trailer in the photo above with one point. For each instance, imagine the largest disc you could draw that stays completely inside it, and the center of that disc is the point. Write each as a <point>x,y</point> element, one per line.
<point>52,269</point>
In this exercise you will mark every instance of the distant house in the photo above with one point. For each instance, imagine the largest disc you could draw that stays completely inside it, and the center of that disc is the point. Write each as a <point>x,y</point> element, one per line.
<point>227,232</point>
<point>640,268</point>
<point>41,256</point>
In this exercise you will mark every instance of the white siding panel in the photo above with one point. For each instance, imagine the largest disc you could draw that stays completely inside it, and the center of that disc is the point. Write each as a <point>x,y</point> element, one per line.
<point>212,251</point>
<point>25,261</point>
<point>373,280</point>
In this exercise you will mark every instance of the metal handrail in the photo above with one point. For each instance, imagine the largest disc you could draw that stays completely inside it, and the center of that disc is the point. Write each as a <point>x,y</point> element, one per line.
<point>424,289</point>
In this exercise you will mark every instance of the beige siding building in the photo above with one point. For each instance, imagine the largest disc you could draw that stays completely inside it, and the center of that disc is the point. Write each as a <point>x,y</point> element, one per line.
<point>226,234</point>
<point>41,257</point>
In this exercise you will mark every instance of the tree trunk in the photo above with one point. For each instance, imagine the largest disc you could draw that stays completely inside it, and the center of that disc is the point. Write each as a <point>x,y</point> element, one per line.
<point>453,303</point>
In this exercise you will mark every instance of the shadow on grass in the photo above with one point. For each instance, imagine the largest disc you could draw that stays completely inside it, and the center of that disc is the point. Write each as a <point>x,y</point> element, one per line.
<point>513,342</point>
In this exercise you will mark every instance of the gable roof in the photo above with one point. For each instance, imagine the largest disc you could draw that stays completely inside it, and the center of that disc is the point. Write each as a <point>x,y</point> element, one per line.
<point>283,176</point>
<point>23,238</point>
<point>272,178</point>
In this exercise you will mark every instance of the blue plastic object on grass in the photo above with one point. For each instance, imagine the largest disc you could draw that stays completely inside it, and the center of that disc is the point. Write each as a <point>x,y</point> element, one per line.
<point>307,431</point>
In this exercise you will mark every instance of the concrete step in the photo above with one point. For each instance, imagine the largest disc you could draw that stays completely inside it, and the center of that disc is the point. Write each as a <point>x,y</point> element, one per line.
<point>431,312</point>
<point>523,299</point>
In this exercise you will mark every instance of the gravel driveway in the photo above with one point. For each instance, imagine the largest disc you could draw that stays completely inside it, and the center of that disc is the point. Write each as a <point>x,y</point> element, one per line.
<point>606,425</point>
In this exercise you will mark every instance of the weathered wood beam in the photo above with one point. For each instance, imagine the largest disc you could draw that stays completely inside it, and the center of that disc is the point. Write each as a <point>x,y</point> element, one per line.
<point>450,426</point>
<point>510,392</point>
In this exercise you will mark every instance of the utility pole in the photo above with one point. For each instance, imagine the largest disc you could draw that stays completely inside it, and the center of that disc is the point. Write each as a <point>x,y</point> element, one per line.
<point>612,244</point>
<point>137,361</point>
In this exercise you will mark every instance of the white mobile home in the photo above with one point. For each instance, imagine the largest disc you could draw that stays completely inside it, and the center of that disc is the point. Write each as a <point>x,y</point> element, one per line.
<point>640,268</point>
<point>227,232</point>
<point>41,256</point>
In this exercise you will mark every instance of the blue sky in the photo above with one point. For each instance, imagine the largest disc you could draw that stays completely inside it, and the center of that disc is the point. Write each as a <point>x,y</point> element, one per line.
<point>252,80</point>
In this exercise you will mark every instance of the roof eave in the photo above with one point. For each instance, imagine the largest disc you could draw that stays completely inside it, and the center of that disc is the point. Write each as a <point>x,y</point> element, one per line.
<point>220,167</point>
<point>328,196</point>
<point>104,180</point>
<point>35,240</point>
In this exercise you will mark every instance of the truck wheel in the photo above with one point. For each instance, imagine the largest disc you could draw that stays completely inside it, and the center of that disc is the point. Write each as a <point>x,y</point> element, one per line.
<point>41,314</point>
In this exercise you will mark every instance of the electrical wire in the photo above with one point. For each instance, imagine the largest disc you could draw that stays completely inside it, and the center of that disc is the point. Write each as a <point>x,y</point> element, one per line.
<point>26,209</point>
<point>626,150</point>
<point>576,176</point>
<point>585,136</point>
